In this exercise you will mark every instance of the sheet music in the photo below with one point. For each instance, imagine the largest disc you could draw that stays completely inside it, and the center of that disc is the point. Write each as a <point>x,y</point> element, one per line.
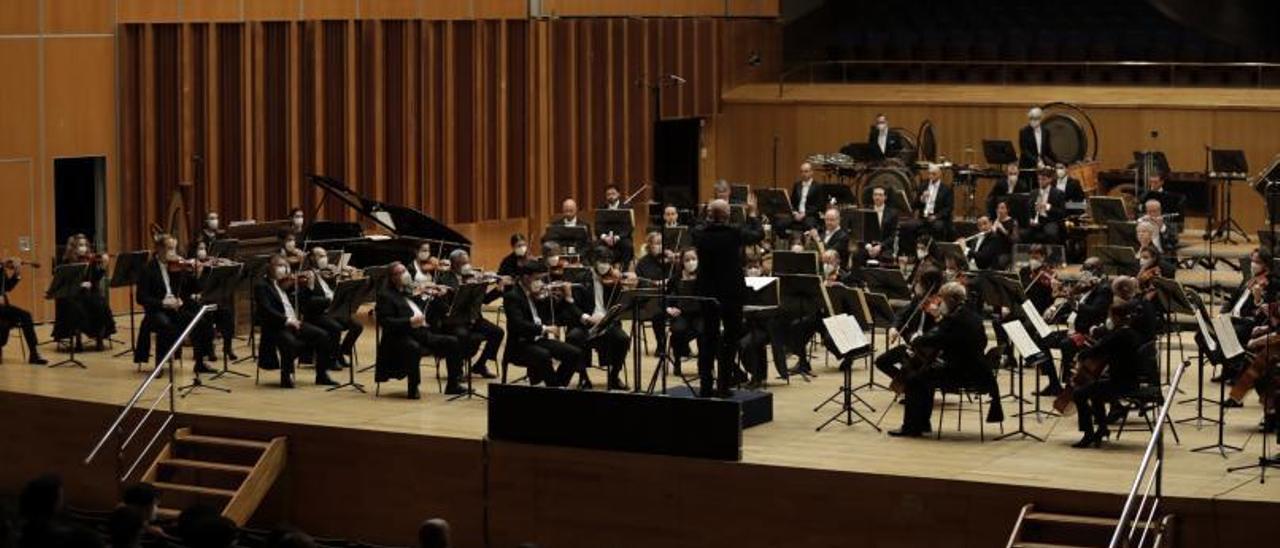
<point>1071,320</point>
<point>845,333</point>
<point>756,283</point>
<point>1037,321</point>
<point>1204,332</point>
<point>1227,336</point>
<point>343,259</point>
<point>1021,339</point>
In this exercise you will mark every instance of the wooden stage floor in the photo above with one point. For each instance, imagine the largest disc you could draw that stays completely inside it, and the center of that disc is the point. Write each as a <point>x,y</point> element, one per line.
<point>789,441</point>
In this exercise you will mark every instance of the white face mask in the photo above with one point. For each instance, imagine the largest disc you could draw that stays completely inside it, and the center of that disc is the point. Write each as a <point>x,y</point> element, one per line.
<point>753,272</point>
<point>1148,263</point>
<point>297,220</point>
<point>603,268</point>
<point>406,281</point>
<point>202,254</point>
<point>281,272</point>
<point>424,255</point>
<point>322,262</point>
<point>465,270</point>
<point>1061,173</point>
<point>291,245</point>
<point>829,268</point>
<point>1110,324</point>
<point>82,249</point>
<point>536,286</point>
<point>521,250</point>
<point>922,253</point>
<point>691,266</point>
<point>1034,263</point>
<point>213,224</point>
<point>944,308</point>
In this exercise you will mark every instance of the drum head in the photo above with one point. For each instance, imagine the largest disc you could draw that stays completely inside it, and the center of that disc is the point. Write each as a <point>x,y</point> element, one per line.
<point>896,182</point>
<point>909,148</point>
<point>928,143</point>
<point>1066,137</point>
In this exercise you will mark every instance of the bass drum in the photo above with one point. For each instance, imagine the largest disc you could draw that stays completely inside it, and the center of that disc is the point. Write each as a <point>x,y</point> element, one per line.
<point>909,150</point>
<point>896,181</point>
<point>1072,135</point>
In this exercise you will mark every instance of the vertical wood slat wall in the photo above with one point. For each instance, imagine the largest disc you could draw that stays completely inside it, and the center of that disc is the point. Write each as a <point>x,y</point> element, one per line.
<point>471,121</point>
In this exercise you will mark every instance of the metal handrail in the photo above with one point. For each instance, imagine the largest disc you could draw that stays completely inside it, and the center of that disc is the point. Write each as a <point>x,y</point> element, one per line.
<point>1155,450</point>
<point>114,429</point>
<point>812,66</point>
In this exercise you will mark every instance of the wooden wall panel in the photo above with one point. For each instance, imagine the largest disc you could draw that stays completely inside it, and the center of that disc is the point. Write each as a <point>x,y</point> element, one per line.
<point>18,118</point>
<point>78,16</point>
<point>20,17</point>
<point>222,10</point>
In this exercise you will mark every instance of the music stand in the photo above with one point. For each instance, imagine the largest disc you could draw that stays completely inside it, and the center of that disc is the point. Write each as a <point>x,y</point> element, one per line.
<point>198,383</point>
<point>569,237</point>
<point>377,277</point>
<point>218,287</point>
<point>226,248</point>
<point>773,203</point>
<point>676,238</point>
<point>64,285</point>
<point>464,309</point>
<point>795,262</point>
<point>738,194</point>
<point>129,266</point>
<point>737,214</point>
<point>998,152</point>
<point>951,250</point>
<point>1104,209</point>
<point>1026,350</point>
<point>253,268</point>
<point>620,222</point>
<point>347,297</point>
<point>844,328</point>
<point>838,194</point>
<point>1228,166</point>
<point>1117,260</point>
<point>862,224</point>
<point>887,281</point>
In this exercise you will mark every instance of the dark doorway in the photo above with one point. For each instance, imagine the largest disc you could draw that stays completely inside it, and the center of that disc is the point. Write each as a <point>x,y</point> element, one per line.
<point>79,203</point>
<point>676,144</point>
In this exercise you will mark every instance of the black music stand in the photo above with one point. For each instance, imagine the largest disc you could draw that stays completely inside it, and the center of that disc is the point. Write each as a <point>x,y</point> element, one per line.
<point>1117,260</point>
<point>1173,300</point>
<point>347,297</point>
<point>1228,166</point>
<point>800,295</point>
<point>226,248</point>
<point>252,271</point>
<point>1122,234</point>
<point>846,393</point>
<point>377,276</point>
<point>838,194</point>
<point>998,152</point>
<point>197,383</point>
<point>572,239</point>
<point>218,287</point>
<point>65,285</point>
<point>1002,290</point>
<point>862,224</point>
<point>738,194</point>
<point>676,238</point>
<point>882,315</point>
<point>1027,351</point>
<point>464,309</point>
<point>619,222</point>
<point>1211,339</point>
<point>640,305</point>
<point>128,269</point>
<point>1105,209</point>
<point>953,251</point>
<point>773,203</point>
<point>888,282</point>
<point>795,262</point>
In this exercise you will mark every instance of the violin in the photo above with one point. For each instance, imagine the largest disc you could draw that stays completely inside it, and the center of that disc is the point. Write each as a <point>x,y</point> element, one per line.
<point>15,262</point>
<point>1088,370</point>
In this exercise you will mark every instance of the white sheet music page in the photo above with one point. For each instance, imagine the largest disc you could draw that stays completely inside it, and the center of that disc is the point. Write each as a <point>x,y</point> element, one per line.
<point>1227,336</point>
<point>756,283</point>
<point>845,333</point>
<point>1021,339</point>
<point>1209,340</point>
<point>1037,321</point>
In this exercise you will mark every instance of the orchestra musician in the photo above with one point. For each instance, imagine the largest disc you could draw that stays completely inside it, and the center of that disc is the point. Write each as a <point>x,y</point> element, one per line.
<point>14,316</point>
<point>1163,236</point>
<point>1090,300</point>
<point>87,312</point>
<point>685,318</point>
<point>529,307</point>
<point>317,295</point>
<point>720,276</point>
<point>1069,186</point>
<point>912,320</point>
<point>884,143</point>
<point>402,309</point>
<point>1035,145</point>
<point>1049,208</point>
<point>284,329</point>
<point>763,329</point>
<point>569,217</point>
<point>1038,277</point>
<point>989,249</point>
<point>298,221</point>
<point>935,202</point>
<point>1118,344</point>
<point>424,265</point>
<point>211,231</point>
<point>654,266</point>
<point>619,244</point>
<point>480,330</point>
<point>519,255</point>
<point>610,342</point>
<point>958,340</point>
<point>1011,184</point>
<point>1155,191</point>
<point>293,255</point>
<point>884,250</point>
<point>163,292</point>
<point>831,235</point>
<point>806,202</point>
<point>224,316</point>
<point>670,217</point>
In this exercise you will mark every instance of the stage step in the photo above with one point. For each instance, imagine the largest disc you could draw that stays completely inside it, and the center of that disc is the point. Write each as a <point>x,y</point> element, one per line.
<point>1045,545</point>
<point>1043,529</point>
<point>233,474</point>
<point>1071,519</point>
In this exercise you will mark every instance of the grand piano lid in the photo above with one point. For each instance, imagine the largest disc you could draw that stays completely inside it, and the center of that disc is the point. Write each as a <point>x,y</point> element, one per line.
<point>399,220</point>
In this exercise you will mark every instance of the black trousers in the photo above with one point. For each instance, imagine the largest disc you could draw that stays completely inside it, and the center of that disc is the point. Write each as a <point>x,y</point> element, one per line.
<point>21,319</point>
<point>538,356</point>
<point>290,342</point>
<point>719,348</point>
<point>752,353</point>
<point>224,320</point>
<point>480,332</point>
<point>920,387</point>
<point>443,345</point>
<point>166,324</point>
<point>335,326</point>
<point>891,361</point>
<point>611,347</point>
<point>1091,402</point>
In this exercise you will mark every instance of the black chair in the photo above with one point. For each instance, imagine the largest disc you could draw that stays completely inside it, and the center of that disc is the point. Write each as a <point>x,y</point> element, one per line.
<point>969,391</point>
<point>1147,398</point>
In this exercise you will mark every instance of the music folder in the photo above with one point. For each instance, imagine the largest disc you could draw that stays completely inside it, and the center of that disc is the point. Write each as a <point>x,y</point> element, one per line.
<point>795,262</point>
<point>862,224</point>
<point>225,248</point>
<point>1104,209</point>
<point>845,333</point>
<point>129,267</point>
<point>1227,336</point>
<point>569,237</point>
<point>880,308</point>
<point>1117,260</point>
<point>773,202</point>
<point>1205,332</point>
<point>1000,290</point>
<point>887,281</point>
<point>1036,319</point>
<point>1022,341</point>
<point>347,297</point>
<point>220,283</point>
<point>1172,296</point>
<point>620,222</point>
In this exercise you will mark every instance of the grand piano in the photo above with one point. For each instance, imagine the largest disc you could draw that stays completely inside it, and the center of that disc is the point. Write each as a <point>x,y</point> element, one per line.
<point>402,229</point>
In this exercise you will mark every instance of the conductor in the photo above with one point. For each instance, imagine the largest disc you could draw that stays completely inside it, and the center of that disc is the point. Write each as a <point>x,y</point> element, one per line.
<point>721,277</point>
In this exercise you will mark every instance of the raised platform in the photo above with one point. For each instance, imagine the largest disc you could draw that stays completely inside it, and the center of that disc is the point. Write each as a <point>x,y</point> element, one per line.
<point>429,457</point>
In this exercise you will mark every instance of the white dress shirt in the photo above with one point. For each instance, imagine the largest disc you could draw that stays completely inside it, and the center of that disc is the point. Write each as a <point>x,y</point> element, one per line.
<point>804,193</point>
<point>1062,183</point>
<point>1039,139</point>
<point>883,141</point>
<point>289,314</point>
<point>932,196</point>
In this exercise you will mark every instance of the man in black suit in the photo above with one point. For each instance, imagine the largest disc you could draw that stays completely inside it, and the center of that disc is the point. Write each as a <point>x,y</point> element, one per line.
<point>1048,209</point>
<point>959,339</point>
<point>989,249</point>
<point>720,276</point>
<point>399,355</point>
<point>282,324</point>
<point>1035,150</point>
<point>316,296</point>
<point>620,244</point>
<point>807,201</point>
<point>1164,236</point>
<point>1071,188</point>
<point>833,236</point>
<point>1011,184</point>
<point>531,336</point>
<point>1090,300</point>
<point>569,217</point>
<point>1155,191</point>
<point>593,302</point>
<point>884,143</point>
<point>160,293</point>
<point>882,250</point>
<point>935,202</point>
<point>17,317</point>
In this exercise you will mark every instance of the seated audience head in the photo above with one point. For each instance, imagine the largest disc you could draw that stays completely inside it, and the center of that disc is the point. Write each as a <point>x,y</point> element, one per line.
<point>143,497</point>
<point>434,533</point>
<point>41,498</point>
<point>192,518</point>
<point>290,538</point>
<point>125,527</point>
<point>213,532</point>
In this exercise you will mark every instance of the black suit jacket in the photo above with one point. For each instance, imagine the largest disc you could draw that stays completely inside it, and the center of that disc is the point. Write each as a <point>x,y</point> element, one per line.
<point>892,145</point>
<point>720,269</point>
<point>888,228</point>
<point>651,268</point>
<point>942,205</point>
<point>398,351</point>
<point>839,241</point>
<point>1000,190</point>
<point>1028,156</point>
<point>1120,348</point>
<point>1074,191</point>
<point>1095,307</point>
<point>815,202</point>
<point>1057,206</point>
<point>993,252</point>
<point>269,309</point>
<point>961,338</point>
<point>150,291</point>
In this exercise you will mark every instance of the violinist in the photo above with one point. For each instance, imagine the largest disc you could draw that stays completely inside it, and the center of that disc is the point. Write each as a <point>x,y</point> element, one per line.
<point>480,330</point>
<point>918,317</point>
<point>958,341</point>
<point>610,342</point>
<point>315,298</point>
<point>210,232</point>
<point>1049,208</point>
<point>403,311</point>
<point>297,221</point>
<point>1117,343</point>
<point>423,268</point>
<point>161,290</point>
<point>15,316</point>
<point>1090,300</point>
<point>655,265</point>
<point>1150,267</point>
<point>1163,268</point>
<point>519,255</point>
<point>1247,304</point>
<point>293,255</point>
<point>685,318</point>
<point>87,312</point>
<point>223,318</point>
<point>285,329</point>
<point>1260,373</point>
<point>831,236</point>
<point>1038,277</point>
<point>619,244</point>
<point>534,341</point>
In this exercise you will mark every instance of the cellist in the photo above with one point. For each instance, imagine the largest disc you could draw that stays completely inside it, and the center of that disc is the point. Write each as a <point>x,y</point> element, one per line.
<point>1117,346</point>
